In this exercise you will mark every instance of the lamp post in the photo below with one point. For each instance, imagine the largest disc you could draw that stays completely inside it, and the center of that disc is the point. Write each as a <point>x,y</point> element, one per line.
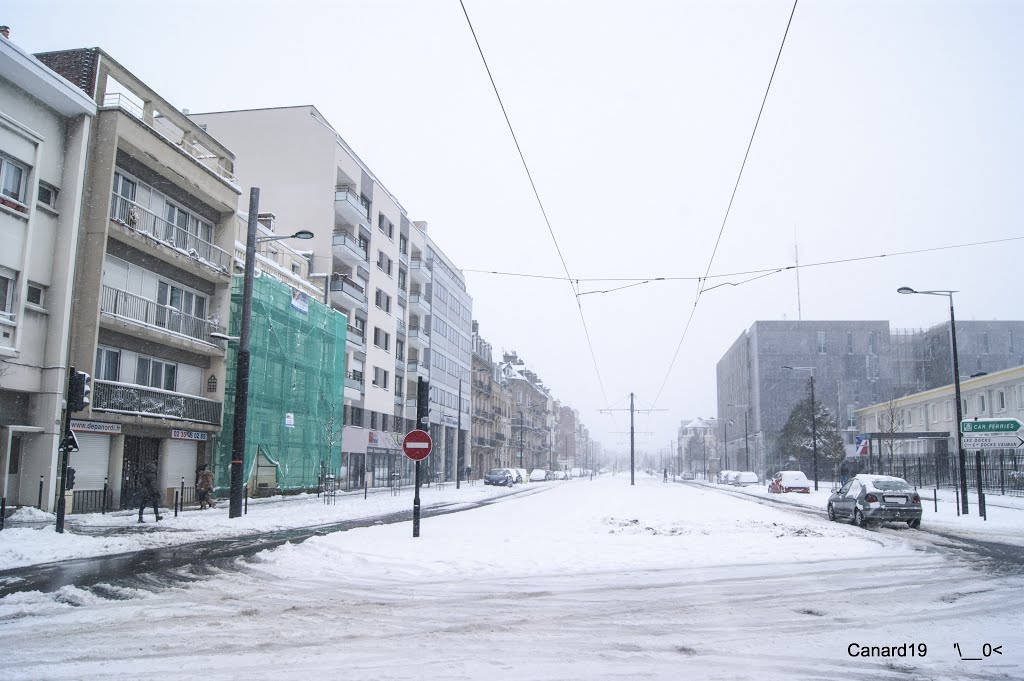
<point>814,422</point>
<point>746,443</point>
<point>956,386</point>
<point>242,363</point>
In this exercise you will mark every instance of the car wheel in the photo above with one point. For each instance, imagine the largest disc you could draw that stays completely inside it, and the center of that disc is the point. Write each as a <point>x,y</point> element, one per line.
<point>914,524</point>
<point>831,513</point>
<point>858,519</point>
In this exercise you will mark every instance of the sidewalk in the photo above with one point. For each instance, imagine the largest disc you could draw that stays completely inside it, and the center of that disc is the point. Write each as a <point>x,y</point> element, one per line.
<point>29,537</point>
<point>1005,523</point>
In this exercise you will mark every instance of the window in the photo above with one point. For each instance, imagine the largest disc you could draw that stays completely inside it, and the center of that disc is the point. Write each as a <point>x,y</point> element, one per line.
<point>402,279</point>
<point>172,297</point>
<point>984,343</point>
<point>949,410</point>
<point>403,245</point>
<point>822,343</point>
<point>108,364</point>
<point>849,342</point>
<point>399,349</point>
<point>873,342</point>
<point>981,404</point>
<point>963,407</point>
<point>1000,400</point>
<point>384,225</point>
<point>12,179</point>
<point>382,300</point>
<point>156,373</point>
<point>365,203</point>
<point>6,291</point>
<point>381,338</point>
<point>933,412</point>
<point>380,378</point>
<point>373,419</point>
<point>47,195</point>
<point>384,263</point>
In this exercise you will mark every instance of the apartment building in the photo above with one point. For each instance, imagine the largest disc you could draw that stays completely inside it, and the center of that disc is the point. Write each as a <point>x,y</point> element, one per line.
<point>152,282</point>
<point>491,410</point>
<point>532,414</point>
<point>386,275</point>
<point>45,127</point>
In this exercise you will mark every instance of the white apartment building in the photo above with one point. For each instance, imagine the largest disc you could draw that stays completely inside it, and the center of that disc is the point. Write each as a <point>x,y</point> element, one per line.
<point>381,269</point>
<point>45,127</point>
<point>152,283</point>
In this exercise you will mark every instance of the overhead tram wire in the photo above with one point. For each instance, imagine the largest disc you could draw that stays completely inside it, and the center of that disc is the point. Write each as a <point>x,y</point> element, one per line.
<point>732,197</point>
<point>572,282</point>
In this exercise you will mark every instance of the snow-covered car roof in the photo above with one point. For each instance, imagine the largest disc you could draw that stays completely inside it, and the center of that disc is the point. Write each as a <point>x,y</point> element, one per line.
<point>870,480</point>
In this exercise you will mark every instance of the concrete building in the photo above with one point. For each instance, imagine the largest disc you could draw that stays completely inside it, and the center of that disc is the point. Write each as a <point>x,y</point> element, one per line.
<point>855,363</point>
<point>45,127</point>
<point>532,414</point>
<point>491,410</point>
<point>698,445</point>
<point>152,282</point>
<point>386,274</point>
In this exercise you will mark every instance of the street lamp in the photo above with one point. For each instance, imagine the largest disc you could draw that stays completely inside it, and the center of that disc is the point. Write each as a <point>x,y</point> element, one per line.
<point>814,422</point>
<point>242,363</point>
<point>746,444</point>
<point>956,383</point>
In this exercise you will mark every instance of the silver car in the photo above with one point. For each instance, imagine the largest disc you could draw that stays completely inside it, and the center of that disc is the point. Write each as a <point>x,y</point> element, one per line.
<point>868,499</point>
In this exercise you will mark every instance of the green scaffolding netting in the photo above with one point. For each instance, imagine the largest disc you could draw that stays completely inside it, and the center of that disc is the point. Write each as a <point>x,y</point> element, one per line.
<point>296,389</point>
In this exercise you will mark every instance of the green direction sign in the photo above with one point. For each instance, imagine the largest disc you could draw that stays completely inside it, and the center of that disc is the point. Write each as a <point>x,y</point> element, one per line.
<point>991,426</point>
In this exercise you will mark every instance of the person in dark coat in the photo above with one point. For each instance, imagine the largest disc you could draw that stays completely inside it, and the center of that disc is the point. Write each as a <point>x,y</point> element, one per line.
<point>149,493</point>
<point>204,487</point>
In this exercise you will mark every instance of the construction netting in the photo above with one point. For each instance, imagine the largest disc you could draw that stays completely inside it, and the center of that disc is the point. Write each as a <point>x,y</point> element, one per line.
<point>296,389</point>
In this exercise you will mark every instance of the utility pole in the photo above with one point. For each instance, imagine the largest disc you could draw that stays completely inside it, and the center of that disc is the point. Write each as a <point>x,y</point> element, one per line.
<point>459,462</point>
<point>422,423</point>
<point>632,433</point>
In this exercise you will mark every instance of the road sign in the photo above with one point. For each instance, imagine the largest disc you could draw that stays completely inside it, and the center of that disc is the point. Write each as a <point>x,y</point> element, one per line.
<point>991,426</point>
<point>417,444</point>
<point>993,441</point>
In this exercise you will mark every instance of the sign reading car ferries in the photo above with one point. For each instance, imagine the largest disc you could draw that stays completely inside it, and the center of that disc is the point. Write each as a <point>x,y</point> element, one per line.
<point>189,435</point>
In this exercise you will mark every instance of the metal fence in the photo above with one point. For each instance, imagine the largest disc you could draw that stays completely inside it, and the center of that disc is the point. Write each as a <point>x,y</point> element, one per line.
<point>1001,472</point>
<point>91,500</point>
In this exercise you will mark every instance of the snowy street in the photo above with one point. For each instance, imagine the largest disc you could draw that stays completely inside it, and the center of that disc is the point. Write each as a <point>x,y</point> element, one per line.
<point>582,580</point>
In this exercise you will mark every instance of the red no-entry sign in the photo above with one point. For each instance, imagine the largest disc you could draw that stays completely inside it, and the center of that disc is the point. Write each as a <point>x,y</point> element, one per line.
<point>417,444</point>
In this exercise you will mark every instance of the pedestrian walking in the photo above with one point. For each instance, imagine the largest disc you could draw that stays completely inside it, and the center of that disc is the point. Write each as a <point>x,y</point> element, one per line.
<point>204,487</point>
<point>149,493</point>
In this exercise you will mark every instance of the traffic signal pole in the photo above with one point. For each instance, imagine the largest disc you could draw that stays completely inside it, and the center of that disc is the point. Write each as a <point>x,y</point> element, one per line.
<point>63,449</point>
<point>422,423</point>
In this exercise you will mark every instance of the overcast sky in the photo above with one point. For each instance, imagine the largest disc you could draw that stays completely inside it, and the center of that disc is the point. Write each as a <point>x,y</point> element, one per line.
<point>890,126</point>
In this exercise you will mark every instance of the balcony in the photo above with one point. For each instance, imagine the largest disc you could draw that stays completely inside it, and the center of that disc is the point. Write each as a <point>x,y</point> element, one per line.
<point>399,363</point>
<point>139,400</point>
<point>399,400</point>
<point>416,367</point>
<point>353,292</point>
<point>348,208</point>
<point>410,403</point>
<point>420,269</point>
<point>136,309</point>
<point>134,217</point>
<point>499,437</point>
<point>400,327</point>
<point>355,336</point>
<point>419,302</point>
<point>403,298</point>
<point>182,139</point>
<point>354,379</point>
<point>404,256</point>
<point>418,336</point>
<point>347,249</point>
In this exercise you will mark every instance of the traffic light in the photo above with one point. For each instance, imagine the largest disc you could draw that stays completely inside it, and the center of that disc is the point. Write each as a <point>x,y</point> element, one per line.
<point>78,390</point>
<point>69,482</point>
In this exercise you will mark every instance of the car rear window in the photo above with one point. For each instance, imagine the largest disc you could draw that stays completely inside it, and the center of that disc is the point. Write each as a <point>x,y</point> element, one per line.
<point>890,485</point>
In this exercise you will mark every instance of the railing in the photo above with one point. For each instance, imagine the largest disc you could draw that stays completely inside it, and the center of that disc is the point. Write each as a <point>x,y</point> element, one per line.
<point>137,399</point>
<point>134,216</point>
<point>355,379</point>
<point>125,305</point>
<point>355,334</point>
<point>419,264</point>
<point>400,363</point>
<point>351,197</point>
<point>399,400</point>
<point>347,240</point>
<point>91,500</point>
<point>404,256</point>
<point>172,133</point>
<point>418,332</point>
<point>400,325</point>
<point>419,299</point>
<point>354,290</point>
<point>411,402</point>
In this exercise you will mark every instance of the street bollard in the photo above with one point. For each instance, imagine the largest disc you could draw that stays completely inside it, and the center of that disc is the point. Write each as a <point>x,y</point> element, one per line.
<point>246,500</point>
<point>183,494</point>
<point>103,505</point>
<point>935,499</point>
<point>3,511</point>
<point>39,505</point>
<point>175,503</point>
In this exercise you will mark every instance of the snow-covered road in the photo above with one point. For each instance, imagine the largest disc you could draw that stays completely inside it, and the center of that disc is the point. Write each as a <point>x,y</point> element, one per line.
<point>585,580</point>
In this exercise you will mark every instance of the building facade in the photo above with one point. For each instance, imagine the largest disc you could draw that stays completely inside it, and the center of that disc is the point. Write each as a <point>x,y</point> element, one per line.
<point>152,282</point>
<point>45,127</point>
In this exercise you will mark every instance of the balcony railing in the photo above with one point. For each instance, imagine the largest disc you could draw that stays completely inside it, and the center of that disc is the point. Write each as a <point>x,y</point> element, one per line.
<point>355,379</point>
<point>355,335</point>
<point>349,198</point>
<point>418,333</point>
<point>410,403</point>
<point>173,134</point>
<point>400,325</point>
<point>346,240</point>
<point>400,363</point>
<point>351,288</point>
<point>143,221</point>
<point>125,305</point>
<point>136,399</point>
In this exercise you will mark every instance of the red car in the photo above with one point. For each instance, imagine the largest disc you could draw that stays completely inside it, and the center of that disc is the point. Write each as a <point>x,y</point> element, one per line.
<point>790,481</point>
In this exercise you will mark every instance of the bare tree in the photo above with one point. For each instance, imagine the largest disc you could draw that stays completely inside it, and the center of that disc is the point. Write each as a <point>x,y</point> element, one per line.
<point>891,422</point>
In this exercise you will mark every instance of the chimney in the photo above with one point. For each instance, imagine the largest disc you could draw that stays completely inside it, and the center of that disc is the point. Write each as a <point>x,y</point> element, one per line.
<point>267,220</point>
<point>5,31</point>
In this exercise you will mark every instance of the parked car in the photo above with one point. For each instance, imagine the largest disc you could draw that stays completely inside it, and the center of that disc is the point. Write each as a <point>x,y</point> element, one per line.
<point>868,499</point>
<point>730,479</point>
<point>499,476</point>
<point>790,481</point>
<point>559,475</point>
<point>521,474</point>
<point>687,475</point>
<point>723,476</point>
<point>538,475</point>
<point>745,478</point>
